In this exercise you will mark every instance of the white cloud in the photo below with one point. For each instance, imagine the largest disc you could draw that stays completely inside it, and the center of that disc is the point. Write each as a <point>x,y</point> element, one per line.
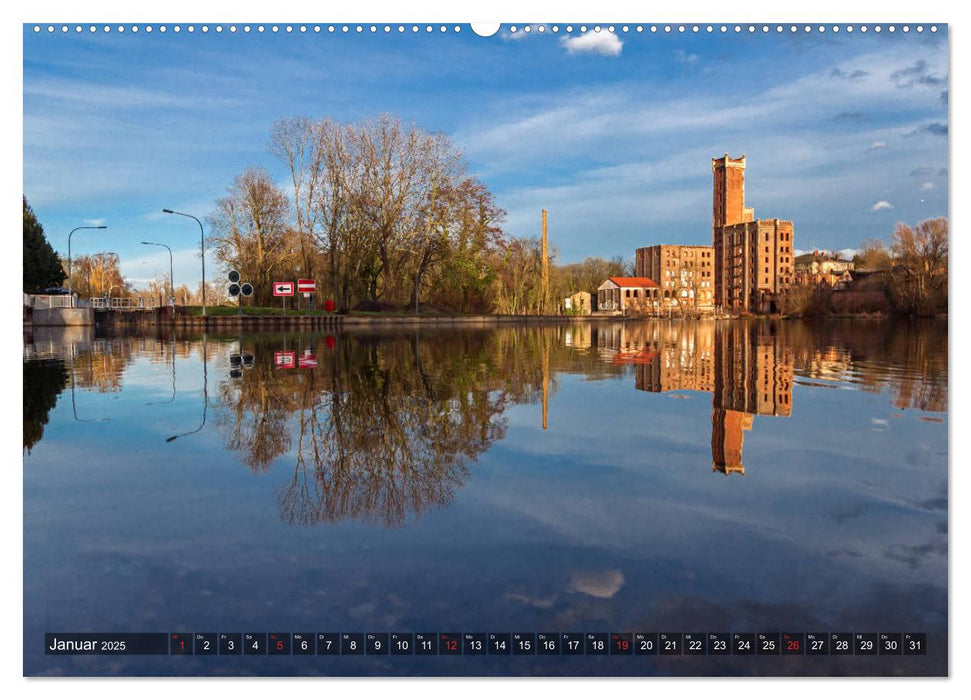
<point>682,57</point>
<point>877,145</point>
<point>603,42</point>
<point>881,205</point>
<point>927,186</point>
<point>95,222</point>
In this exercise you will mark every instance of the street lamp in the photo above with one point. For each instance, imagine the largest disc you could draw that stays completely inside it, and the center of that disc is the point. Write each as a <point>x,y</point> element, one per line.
<point>171,278</point>
<point>202,245</point>
<point>70,287</point>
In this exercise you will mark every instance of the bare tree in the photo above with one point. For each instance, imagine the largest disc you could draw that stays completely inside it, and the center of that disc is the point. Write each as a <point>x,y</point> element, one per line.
<point>919,278</point>
<point>250,229</point>
<point>296,143</point>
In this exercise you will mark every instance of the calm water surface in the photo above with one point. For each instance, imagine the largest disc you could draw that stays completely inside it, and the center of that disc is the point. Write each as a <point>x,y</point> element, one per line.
<point>693,477</point>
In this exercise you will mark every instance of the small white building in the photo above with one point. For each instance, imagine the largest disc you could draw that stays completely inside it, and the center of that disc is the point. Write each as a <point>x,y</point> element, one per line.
<point>623,294</point>
<point>580,303</point>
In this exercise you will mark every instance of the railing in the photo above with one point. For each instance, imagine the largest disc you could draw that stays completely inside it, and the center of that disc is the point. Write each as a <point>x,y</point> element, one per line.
<point>123,303</point>
<point>51,301</point>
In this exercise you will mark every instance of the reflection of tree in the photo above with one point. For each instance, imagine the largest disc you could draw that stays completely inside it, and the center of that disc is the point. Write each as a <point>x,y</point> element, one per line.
<point>44,380</point>
<point>255,413</point>
<point>906,359</point>
<point>384,426</point>
<point>100,368</point>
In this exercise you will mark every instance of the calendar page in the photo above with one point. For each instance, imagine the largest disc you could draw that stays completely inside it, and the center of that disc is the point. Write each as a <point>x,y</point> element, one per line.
<point>447,349</point>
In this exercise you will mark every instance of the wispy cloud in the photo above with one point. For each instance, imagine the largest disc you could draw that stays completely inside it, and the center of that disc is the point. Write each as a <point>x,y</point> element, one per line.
<point>84,94</point>
<point>881,205</point>
<point>877,145</point>
<point>850,117</point>
<point>934,129</point>
<point>915,74</point>
<point>603,42</point>
<point>848,75</point>
<point>927,186</point>
<point>95,222</point>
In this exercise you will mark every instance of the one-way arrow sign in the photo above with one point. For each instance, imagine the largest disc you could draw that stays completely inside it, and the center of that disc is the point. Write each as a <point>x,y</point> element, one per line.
<point>283,289</point>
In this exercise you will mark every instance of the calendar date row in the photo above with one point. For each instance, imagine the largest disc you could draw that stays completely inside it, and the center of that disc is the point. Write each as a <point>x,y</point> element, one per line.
<point>492,643</point>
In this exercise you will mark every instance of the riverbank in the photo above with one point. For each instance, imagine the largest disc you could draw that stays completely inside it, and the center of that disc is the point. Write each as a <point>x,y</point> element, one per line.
<point>333,321</point>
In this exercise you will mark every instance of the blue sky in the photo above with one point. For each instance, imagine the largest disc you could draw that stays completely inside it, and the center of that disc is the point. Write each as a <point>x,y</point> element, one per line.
<point>845,134</point>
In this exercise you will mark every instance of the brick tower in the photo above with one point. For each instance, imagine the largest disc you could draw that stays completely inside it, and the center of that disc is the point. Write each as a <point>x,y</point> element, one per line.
<point>728,208</point>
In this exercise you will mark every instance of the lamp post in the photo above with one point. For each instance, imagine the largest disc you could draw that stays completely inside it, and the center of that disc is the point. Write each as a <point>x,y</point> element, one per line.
<point>70,287</point>
<point>202,246</point>
<point>171,278</point>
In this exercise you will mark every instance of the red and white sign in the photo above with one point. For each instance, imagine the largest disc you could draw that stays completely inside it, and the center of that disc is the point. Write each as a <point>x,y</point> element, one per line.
<point>307,286</point>
<point>283,289</point>
<point>307,361</point>
<point>284,359</point>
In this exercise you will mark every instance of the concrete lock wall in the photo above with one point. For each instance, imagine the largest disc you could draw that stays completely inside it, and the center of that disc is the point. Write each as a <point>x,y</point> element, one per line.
<point>63,317</point>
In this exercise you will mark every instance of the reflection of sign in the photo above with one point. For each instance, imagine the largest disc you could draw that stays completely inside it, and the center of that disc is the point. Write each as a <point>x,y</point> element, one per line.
<point>283,289</point>
<point>306,286</point>
<point>284,359</point>
<point>307,360</point>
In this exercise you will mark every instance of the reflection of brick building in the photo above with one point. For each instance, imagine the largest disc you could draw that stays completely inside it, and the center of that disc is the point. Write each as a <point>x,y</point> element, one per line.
<point>683,361</point>
<point>753,258</point>
<point>753,376</point>
<point>726,440</point>
<point>747,367</point>
<point>685,273</point>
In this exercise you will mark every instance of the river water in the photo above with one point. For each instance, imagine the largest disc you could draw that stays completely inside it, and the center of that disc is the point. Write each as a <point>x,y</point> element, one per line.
<point>695,477</point>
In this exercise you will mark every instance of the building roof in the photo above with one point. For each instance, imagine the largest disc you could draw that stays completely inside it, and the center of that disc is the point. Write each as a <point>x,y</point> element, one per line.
<point>633,281</point>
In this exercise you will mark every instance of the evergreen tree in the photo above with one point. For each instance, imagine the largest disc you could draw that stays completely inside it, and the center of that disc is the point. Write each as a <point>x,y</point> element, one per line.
<point>42,266</point>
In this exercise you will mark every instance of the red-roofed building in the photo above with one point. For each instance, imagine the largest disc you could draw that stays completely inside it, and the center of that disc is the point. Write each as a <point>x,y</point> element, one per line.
<point>628,295</point>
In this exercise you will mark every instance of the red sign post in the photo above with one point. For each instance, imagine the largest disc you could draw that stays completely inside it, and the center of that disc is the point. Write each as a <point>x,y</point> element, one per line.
<point>307,286</point>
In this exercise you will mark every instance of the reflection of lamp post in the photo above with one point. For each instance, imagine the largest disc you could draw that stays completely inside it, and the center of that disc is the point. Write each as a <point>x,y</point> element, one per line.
<point>202,245</point>
<point>155,403</point>
<point>70,288</point>
<point>171,278</point>
<point>205,393</point>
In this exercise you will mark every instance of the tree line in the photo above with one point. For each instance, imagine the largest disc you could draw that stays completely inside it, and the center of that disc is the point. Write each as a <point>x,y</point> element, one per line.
<point>385,216</point>
<point>909,273</point>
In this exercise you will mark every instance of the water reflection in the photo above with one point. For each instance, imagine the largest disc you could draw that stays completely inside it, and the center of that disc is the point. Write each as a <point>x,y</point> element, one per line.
<point>44,380</point>
<point>746,367</point>
<point>550,478</point>
<point>382,427</point>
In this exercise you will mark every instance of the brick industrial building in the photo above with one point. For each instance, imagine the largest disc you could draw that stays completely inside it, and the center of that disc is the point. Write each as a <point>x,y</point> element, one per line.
<point>753,257</point>
<point>685,273</point>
